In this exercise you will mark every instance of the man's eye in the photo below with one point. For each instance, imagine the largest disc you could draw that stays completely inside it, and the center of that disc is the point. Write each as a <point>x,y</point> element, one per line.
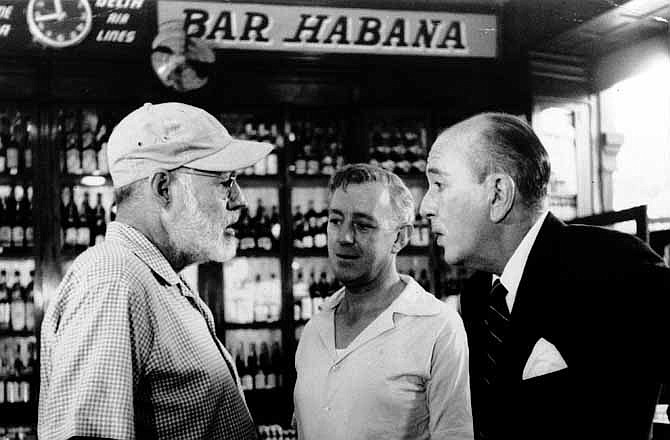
<point>334,221</point>
<point>363,227</point>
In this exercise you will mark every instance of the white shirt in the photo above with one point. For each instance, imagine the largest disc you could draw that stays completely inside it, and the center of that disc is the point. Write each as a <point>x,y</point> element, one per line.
<point>404,376</point>
<point>513,271</point>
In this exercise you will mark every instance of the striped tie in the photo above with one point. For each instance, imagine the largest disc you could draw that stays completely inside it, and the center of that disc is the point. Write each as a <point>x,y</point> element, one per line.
<point>496,322</point>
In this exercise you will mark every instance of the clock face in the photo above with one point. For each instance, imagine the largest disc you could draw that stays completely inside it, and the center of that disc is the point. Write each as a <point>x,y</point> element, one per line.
<point>59,23</point>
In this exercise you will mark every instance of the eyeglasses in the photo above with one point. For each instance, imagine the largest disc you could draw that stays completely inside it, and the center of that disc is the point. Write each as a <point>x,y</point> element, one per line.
<point>227,184</point>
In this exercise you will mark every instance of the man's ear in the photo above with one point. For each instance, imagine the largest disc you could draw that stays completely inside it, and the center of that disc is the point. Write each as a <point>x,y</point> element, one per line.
<point>402,238</point>
<point>502,193</point>
<point>160,186</point>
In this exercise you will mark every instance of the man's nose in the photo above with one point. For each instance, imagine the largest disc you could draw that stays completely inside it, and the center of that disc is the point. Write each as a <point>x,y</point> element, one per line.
<point>236,199</point>
<point>346,234</point>
<point>427,207</point>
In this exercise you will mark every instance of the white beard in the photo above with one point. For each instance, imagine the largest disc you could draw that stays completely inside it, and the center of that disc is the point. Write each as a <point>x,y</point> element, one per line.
<point>192,233</point>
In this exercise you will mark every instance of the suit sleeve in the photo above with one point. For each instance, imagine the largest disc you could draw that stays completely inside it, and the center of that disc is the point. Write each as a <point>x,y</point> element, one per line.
<point>449,385</point>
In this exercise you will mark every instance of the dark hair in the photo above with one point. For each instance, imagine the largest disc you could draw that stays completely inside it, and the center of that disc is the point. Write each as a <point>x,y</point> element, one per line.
<point>402,201</point>
<point>509,145</point>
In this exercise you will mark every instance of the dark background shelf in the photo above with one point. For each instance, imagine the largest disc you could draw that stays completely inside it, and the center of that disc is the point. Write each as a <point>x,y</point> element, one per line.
<point>17,253</point>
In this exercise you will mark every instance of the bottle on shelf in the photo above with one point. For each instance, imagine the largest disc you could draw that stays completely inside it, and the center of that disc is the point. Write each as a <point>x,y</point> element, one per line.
<point>99,222</point>
<point>242,370</point>
<point>70,219</point>
<point>261,379</point>
<point>83,223</point>
<point>23,384</point>
<point>18,304</point>
<point>261,221</point>
<point>275,227</point>
<point>73,154</point>
<point>5,302</point>
<point>27,216</point>
<point>6,221</point>
<point>12,380</point>
<point>252,363</point>
<point>4,142</point>
<point>15,201</point>
<point>298,221</point>
<point>277,364</point>
<point>245,230</point>
<point>29,299</point>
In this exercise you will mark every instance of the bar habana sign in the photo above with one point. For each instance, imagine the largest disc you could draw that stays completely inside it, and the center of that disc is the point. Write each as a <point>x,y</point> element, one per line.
<point>340,30</point>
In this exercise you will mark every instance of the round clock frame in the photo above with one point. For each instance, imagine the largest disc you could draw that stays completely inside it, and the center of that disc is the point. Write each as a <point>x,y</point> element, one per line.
<point>59,17</point>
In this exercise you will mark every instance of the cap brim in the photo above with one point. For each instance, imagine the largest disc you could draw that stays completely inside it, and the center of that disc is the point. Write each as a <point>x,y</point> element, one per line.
<point>237,155</point>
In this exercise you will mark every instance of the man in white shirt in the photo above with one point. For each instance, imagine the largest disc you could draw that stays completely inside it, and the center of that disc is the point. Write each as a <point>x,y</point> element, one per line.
<point>384,359</point>
<point>567,343</point>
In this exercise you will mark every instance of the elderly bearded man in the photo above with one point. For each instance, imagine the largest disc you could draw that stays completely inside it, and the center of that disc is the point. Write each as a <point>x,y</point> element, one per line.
<point>128,350</point>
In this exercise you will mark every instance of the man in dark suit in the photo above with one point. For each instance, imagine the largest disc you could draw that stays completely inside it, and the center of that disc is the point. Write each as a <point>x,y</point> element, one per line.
<point>570,341</point>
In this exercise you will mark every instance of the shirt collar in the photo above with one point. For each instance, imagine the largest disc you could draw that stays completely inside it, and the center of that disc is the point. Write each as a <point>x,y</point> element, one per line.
<point>511,275</point>
<point>411,300</point>
<point>145,250</point>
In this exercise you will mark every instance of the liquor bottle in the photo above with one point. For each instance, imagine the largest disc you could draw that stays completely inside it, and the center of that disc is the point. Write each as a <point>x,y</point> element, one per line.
<point>314,293</point>
<point>73,154</point>
<point>242,370</point>
<point>298,219</point>
<point>89,153</point>
<point>29,297</point>
<point>309,226</point>
<point>246,230</point>
<point>18,305</point>
<point>262,227</point>
<point>4,142</point>
<point>5,224</point>
<point>323,287</point>
<point>320,236</point>
<point>311,150</point>
<point>31,141</point>
<point>12,151</point>
<point>275,227</point>
<point>71,221</point>
<point>11,383</point>
<point>269,379</point>
<point>83,225</point>
<point>27,215</point>
<point>22,383</point>
<point>18,224</point>
<point>5,302</point>
<point>100,224</point>
<point>59,138</point>
<point>277,364</point>
<point>272,159</point>
<point>252,362</point>
<point>3,372</point>
<point>300,147</point>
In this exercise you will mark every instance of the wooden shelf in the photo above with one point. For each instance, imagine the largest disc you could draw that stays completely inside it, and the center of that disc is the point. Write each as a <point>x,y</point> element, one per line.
<point>309,180</point>
<point>310,252</point>
<point>252,325</point>
<point>16,334</point>
<point>257,253</point>
<point>75,179</point>
<point>17,253</point>
<point>252,181</point>
<point>14,179</point>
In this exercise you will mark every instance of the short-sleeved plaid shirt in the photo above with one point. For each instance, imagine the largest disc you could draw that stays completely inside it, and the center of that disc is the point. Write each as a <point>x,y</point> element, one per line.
<point>129,352</point>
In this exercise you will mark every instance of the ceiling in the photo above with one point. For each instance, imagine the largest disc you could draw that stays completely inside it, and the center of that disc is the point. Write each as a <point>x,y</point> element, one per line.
<point>590,28</point>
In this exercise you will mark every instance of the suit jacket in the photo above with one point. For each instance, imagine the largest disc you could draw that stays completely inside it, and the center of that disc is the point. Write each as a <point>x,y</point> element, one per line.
<point>601,297</point>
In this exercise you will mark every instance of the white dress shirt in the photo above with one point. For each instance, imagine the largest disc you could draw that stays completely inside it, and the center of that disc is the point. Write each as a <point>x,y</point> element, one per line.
<point>511,275</point>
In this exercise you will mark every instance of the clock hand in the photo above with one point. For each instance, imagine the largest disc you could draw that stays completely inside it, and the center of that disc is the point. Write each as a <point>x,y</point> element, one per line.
<point>50,17</point>
<point>58,7</point>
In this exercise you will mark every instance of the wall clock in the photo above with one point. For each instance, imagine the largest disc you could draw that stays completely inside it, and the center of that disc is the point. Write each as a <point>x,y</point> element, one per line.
<point>59,23</point>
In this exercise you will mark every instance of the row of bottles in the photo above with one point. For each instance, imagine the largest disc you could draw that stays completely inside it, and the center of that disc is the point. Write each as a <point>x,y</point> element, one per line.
<point>20,432</point>
<point>309,293</point>
<point>17,301</point>
<point>18,365</point>
<point>260,230</point>
<point>82,223</point>
<point>248,127</point>
<point>259,368</point>
<point>309,227</point>
<point>399,147</point>
<point>18,135</point>
<point>16,217</point>
<point>252,290</point>
<point>276,432</point>
<point>81,139</point>
<point>317,147</point>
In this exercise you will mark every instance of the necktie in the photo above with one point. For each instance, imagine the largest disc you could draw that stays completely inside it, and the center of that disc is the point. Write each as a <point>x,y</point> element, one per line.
<point>496,325</point>
<point>496,322</point>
